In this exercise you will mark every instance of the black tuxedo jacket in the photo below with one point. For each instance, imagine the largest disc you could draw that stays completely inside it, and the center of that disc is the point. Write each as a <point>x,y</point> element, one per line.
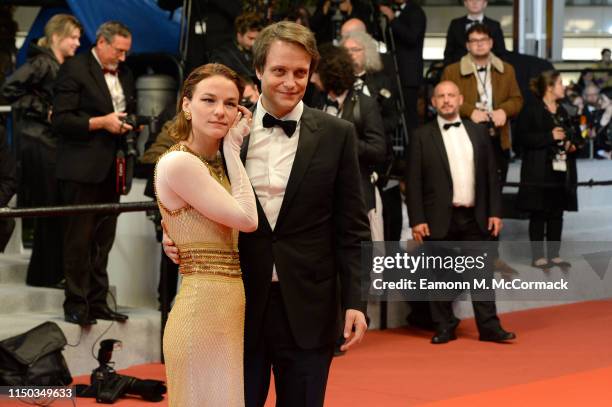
<point>429,186</point>
<point>81,93</point>
<point>382,89</point>
<point>363,112</point>
<point>230,55</point>
<point>409,34</point>
<point>316,244</point>
<point>456,39</point>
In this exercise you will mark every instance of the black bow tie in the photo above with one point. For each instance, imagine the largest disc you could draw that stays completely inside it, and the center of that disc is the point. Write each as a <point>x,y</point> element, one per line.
<point>449,125</point>
<point>482,69</point>
<point>110,71</point>
<point>288,126</point>
<point>333,103</point>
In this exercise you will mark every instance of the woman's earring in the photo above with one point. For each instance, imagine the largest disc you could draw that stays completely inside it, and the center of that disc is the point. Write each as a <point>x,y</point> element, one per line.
<point>187,115</point>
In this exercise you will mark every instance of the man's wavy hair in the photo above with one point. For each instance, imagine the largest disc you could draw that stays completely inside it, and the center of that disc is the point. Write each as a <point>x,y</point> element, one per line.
<point>373,63</point>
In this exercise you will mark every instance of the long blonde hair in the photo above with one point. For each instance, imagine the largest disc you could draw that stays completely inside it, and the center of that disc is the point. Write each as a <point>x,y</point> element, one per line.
<point>61,25</point>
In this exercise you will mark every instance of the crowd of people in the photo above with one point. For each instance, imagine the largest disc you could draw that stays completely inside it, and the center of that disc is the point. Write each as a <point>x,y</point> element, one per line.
<point>294,142</point>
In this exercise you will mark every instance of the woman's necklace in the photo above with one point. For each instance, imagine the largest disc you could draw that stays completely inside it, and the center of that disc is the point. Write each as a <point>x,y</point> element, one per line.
<point>215,165</point>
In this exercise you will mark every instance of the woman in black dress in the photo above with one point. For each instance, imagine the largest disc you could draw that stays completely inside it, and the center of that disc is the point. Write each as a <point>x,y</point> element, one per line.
<point>30,90</point>
<point>545,135</point>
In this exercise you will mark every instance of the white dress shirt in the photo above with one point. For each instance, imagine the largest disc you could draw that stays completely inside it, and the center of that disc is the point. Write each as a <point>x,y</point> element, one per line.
<point>332,109</point>
<point>460,153</point>
<point>114,87</point>
<point>269,161</point>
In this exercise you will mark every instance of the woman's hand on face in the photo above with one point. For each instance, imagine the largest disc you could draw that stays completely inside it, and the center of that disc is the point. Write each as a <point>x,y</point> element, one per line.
<point>240,128</point>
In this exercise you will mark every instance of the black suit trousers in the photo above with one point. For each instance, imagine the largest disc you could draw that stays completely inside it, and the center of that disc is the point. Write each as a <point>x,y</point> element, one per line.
<point>88,239</point>
<point>300,375</point>
<point>463,227</point>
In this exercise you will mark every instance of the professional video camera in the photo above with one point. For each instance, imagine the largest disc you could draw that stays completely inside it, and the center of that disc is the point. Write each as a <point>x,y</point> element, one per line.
<point>107,385</point>
<point>128,151</point>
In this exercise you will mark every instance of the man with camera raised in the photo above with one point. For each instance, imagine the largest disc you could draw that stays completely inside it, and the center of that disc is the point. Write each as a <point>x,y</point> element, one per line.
<point>93,95</point>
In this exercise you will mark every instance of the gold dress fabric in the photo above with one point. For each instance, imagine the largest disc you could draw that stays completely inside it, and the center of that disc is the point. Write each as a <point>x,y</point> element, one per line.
<point>204,335</point>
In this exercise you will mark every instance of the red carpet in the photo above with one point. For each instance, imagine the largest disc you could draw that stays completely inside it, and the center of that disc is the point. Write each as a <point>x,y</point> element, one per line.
<point>563,357</point>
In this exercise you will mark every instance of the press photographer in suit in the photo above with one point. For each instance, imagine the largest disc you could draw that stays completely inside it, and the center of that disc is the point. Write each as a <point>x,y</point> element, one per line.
<point>408,23</point>
<point>453,194</point>
<point>456,35</point>
<point>92,96</point>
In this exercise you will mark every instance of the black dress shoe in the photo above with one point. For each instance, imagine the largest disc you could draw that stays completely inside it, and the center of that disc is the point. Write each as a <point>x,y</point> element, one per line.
<point>108,314</point>
<point>79,318</point>
<point>443,336</point>
<point>499,336</point>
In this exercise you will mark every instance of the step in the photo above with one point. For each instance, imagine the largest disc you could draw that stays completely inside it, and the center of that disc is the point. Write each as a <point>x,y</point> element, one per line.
<point>14,267</point>
<point>21,298</point>
<point>140,336</point>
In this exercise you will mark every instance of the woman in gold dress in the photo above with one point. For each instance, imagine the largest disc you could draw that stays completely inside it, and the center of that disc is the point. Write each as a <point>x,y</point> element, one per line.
<point>203,208</point>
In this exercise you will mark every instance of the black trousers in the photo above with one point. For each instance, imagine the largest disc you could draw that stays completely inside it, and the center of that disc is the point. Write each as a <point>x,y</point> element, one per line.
<point>464,227</point>
<point>545,225</point>
<point>411,96</point>
<point>88,239</point>
<point>300,375</point>
<point>39,185</point>
<point>392,213</point>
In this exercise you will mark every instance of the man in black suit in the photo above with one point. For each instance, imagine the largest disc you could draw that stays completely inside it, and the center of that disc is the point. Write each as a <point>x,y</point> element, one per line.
<point>301,267</point>
<point>453,194</point>
<point>238,54</point>
<point>408,23</point>
<point>456,35</point>
<point>92,95</point>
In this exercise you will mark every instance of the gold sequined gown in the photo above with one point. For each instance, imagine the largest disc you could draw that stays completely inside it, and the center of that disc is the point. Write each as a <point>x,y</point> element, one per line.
<point>204,335</point>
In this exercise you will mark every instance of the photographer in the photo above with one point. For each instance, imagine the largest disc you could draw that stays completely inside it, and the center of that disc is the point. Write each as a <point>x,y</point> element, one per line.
<point>330,14</point>
<point>238,54</point>
<point>30,91</point>
<point>92,97</point>
<point>491,93</point>
<point>548,141</point>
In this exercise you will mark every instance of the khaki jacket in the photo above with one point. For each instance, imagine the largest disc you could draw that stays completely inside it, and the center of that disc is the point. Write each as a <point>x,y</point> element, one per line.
<point>506,93</point>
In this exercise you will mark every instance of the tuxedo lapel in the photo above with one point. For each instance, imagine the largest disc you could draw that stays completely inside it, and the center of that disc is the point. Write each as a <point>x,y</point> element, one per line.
<point>263,219</point>
<point>98,76</point>
<point>307,145</point>
<point>470,131</point>
<point>244,149</point>
<point>437,138</point>
<point>347,108</point>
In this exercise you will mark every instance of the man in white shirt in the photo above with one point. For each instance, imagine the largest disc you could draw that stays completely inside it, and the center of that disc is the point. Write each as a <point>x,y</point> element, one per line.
<point>456,34</point>
<point>453,194</point>
<point>92,95</point>
<point>301,267</point>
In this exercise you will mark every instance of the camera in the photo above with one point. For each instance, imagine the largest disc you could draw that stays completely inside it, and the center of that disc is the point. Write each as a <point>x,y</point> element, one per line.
<point>107,385</point>
<point>130,138</point>
<point>569,121</point>
<point>128,150</point>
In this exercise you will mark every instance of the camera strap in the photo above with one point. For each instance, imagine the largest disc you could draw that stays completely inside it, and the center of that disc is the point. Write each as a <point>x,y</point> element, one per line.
<point>120,167</point>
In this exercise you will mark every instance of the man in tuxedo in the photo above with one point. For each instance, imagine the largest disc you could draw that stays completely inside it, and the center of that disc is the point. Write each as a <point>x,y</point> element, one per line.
<point>453,194</point>
<point>456,35</point>
<point>92,96</point>
<point>301,267</point>
<point>407,22</point>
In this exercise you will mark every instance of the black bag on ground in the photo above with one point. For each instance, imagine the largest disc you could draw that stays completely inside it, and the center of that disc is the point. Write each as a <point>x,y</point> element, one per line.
<point>34,358</point>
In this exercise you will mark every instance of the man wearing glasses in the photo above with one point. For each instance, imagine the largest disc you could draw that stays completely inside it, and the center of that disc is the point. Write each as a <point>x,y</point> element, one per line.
<point>93,94</point>
<point>491,97</point>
